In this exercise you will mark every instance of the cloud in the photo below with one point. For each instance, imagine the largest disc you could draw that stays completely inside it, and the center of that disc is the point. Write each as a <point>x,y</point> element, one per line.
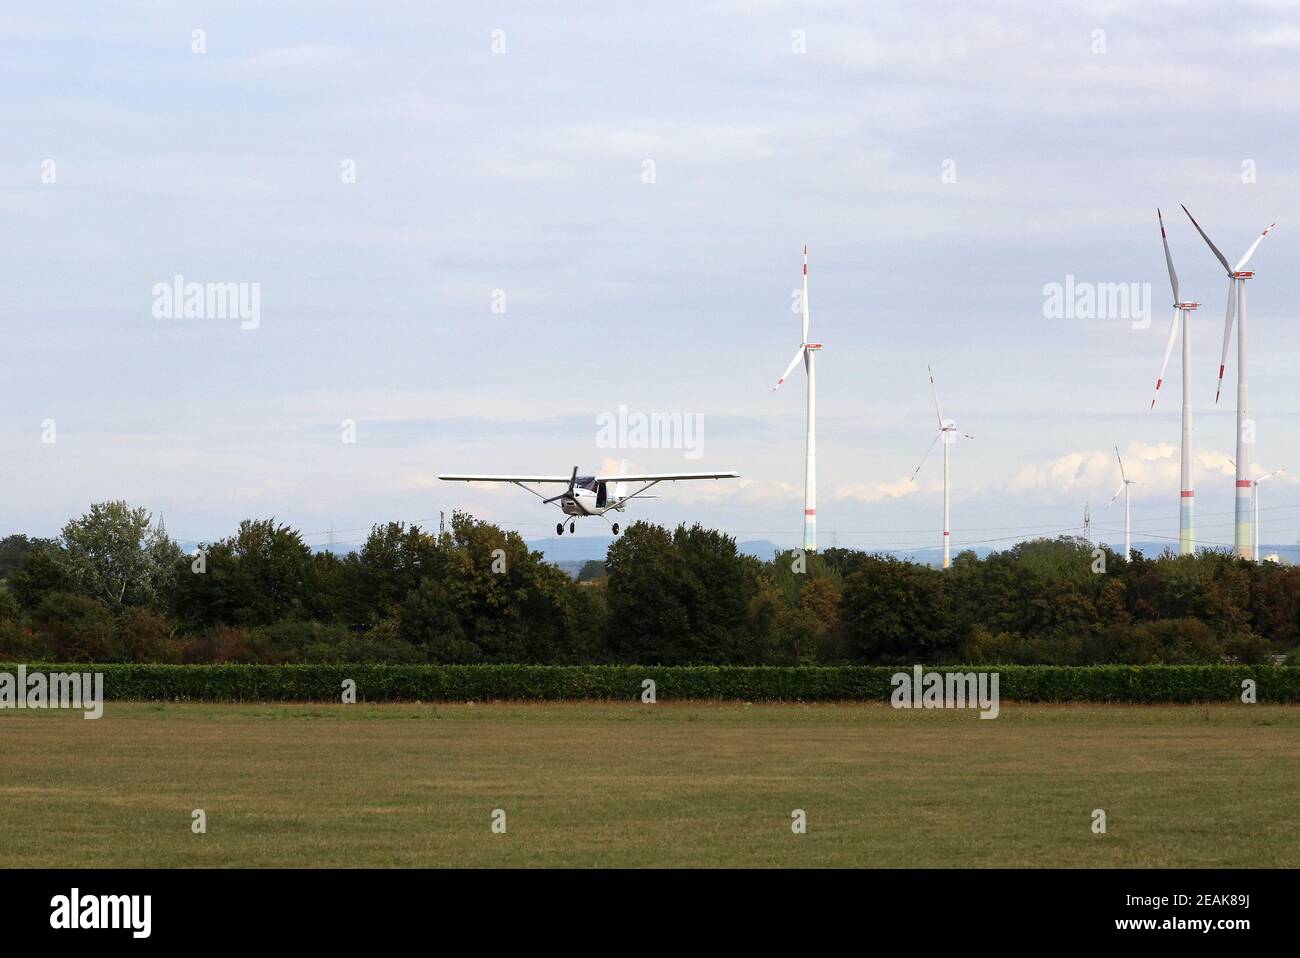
<point>1154,469</point>
<point>886,489</point>
<point>1286,37</point>
<point>293,58</point>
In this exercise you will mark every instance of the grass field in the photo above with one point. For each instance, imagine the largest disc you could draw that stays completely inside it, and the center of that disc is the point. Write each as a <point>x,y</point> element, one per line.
<point>687,784</point>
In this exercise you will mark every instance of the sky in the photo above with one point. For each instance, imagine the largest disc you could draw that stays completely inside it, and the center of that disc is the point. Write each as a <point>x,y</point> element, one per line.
<point>475,230</point>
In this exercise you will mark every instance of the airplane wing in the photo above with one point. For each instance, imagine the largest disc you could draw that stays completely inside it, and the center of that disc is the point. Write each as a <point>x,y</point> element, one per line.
<point>666,476</point>
<point>457,477</point>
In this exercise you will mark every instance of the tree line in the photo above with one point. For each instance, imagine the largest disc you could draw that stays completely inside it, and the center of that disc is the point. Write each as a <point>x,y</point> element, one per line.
<point>113,587</point>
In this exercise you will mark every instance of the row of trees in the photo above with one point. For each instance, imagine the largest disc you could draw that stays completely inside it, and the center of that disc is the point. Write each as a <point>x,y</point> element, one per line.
<point>115,587</point>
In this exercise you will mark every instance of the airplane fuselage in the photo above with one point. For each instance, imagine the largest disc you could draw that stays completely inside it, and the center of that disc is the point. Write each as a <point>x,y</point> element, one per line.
<point>586,502</point>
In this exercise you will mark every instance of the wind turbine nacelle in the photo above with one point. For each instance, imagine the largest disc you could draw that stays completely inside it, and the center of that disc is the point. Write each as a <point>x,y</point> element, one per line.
<point>812,345</point>
<point>1242,274</point>
<point>1186,305</point>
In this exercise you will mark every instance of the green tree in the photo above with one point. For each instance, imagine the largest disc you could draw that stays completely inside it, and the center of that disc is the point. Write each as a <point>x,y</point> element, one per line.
<point>896,612</point>
<point>263,573</point>
<point>391,564</point>
<point>12,551</point>
<point>114,554</point>
<point>79,628</point>
<point>490,599</point>
<point>681,598</point>
<point>39,573</point>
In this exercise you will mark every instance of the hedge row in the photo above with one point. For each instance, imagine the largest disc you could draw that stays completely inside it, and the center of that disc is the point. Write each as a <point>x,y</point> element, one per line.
<point>460,683</point>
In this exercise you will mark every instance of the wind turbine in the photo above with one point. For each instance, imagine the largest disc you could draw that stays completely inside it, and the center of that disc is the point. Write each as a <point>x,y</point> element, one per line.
<point>1125,482</point>
<point>948,433</point>
<point>805,352</point>
<point>1237,276</point>
<point>1254,506</point>
<point>1182,318</point>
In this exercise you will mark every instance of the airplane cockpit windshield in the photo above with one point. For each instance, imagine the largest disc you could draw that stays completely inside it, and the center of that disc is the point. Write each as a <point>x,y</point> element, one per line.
<point>585,482</point>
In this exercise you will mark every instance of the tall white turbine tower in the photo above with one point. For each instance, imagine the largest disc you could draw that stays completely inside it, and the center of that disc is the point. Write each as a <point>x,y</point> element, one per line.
<point>805,351</point>
<point>1255,504</point>
<point>948,433</point>
<point>1182,318</point>
<point>1125,482</point>
<point>1237,276</point>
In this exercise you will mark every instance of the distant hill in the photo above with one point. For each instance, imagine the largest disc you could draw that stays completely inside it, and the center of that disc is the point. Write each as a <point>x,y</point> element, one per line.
<point>570,552</point>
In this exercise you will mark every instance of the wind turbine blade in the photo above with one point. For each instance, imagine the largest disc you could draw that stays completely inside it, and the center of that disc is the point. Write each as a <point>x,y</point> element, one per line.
<point>1169,260</point>
<point>928,450</point>
<point>1116,496</point>
<point>1122,473</point>
<point>1222,259</point>
<point>1253,246</point>
<point>788,369</point>
<point>1169,348</point>
<point>1270,475</point>
<point>935,393</point>
<point>805,293</point>
<point>1228,320</point>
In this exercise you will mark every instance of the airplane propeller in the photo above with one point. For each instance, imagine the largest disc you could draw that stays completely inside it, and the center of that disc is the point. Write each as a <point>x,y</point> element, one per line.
<point>573,479</point>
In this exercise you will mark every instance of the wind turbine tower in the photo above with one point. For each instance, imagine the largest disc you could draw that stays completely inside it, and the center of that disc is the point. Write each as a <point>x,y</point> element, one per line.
<point>805,352</point>
<point>1182,322</point>
<point>1237,276</point>
<point>948,434</point>
<point>1125,482</point>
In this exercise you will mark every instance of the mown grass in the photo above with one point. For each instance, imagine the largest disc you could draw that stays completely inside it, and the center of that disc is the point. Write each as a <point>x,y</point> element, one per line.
<point>682,784</point>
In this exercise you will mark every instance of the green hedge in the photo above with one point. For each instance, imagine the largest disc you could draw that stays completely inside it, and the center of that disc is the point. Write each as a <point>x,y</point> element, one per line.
<point>460,683</point>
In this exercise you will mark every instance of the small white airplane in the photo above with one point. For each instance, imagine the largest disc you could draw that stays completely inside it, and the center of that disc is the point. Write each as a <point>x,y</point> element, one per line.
<point>593,495</point>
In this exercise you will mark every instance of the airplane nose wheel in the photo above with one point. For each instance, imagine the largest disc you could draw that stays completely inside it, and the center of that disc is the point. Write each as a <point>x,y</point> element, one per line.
<point>559,528</point>
<point>616,528</point>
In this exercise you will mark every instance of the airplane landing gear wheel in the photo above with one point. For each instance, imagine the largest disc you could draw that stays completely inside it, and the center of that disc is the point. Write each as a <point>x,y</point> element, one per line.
<point>559,528</point>
<point>616,528</point>
<point>573,527</point>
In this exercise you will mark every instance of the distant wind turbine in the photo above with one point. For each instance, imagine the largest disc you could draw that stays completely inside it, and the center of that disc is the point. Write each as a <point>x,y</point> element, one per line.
<point>1254,507</point>
<point>1255,504</point>
<point>805,352</point>
<point>948,434</point>
<point>1237,276</point>
<point>1182,318</point>
<point>1125,482</point>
